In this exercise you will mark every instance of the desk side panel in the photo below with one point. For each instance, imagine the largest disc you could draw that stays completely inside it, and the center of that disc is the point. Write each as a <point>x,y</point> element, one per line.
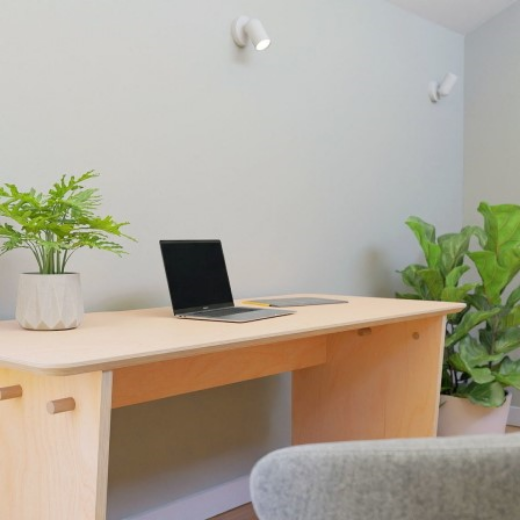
<point>54,467</point>
<point>380,382</point>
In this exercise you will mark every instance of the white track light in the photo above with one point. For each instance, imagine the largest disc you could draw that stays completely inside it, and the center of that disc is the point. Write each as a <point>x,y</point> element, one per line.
<point>245,28</point>
<point>437,90</point>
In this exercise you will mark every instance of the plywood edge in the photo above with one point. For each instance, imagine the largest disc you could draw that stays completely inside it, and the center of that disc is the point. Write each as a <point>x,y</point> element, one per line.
<point>104,445</point>
<point>65,369</point>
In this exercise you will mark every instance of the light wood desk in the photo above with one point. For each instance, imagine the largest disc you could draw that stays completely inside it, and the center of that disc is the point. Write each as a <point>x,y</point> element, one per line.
<point>362,370</point>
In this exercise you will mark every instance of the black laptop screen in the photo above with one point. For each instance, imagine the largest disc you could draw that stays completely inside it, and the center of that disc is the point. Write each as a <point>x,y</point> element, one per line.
<point>196,274</point>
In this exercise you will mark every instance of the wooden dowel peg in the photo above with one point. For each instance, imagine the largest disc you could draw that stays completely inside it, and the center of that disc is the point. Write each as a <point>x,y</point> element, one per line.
<point>10,392</point>
<point>365,332</point>
<point>416,335</point>
<point>61,405</point>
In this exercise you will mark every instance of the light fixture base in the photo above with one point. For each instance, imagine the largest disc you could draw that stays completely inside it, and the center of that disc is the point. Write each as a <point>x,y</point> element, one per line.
<point>433,91</point>
<point>238,31</point>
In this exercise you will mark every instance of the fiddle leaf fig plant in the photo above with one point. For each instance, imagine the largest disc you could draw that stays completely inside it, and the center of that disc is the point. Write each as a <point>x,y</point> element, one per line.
<point>479,340</point>
<point>54,225</point>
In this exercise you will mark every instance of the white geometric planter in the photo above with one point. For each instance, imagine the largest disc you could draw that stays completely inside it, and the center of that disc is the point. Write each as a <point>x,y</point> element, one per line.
<point>49,301</point>
<point>459,416</point>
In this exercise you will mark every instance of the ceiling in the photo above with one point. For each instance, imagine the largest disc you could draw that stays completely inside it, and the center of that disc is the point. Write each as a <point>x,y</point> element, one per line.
<point>462,16</point>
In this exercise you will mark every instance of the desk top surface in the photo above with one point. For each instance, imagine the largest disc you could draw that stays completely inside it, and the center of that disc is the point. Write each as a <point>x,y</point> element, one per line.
<point>110,340</point>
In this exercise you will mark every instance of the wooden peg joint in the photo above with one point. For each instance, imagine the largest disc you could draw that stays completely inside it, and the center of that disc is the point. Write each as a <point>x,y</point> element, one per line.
<point>365,332</point>
<point>416,335</point>
<point>10,392</point>
<point>61,405</point>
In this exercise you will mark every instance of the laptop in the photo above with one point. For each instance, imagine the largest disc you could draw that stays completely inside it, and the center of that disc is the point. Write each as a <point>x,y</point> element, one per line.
<point>199,284</point>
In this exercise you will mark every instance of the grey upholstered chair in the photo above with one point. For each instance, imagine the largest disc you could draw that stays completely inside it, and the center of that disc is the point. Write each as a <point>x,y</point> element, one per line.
<point>456,478</point>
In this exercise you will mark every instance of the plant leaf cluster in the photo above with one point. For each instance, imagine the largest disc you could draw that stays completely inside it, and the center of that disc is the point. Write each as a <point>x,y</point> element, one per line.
<point>479,340</point>
<point>55,224</point>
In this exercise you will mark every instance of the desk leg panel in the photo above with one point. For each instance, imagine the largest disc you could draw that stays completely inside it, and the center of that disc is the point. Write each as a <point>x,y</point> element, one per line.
<point>54,463</point>
<point>382,382</point>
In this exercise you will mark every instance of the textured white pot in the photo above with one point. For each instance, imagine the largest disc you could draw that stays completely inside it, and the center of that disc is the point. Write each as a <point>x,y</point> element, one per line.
<point>49,301</point>
<point>459,416</point>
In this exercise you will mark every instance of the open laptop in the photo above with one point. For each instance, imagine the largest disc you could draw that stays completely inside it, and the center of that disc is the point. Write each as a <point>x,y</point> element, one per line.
<point>199,284</point>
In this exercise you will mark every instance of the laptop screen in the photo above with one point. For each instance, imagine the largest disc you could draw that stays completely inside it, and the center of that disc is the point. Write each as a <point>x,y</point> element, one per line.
<point>196,274</point>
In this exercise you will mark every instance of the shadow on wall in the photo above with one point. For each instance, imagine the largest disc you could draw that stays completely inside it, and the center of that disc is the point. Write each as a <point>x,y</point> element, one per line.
<point>380,278</point>
<point>11,266</point>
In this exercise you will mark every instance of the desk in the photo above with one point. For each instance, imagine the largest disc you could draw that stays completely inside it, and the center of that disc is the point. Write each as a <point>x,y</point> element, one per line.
<point>363,370</point>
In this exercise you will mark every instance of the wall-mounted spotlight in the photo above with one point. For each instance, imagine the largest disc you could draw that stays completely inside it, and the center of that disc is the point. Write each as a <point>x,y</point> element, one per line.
<point>437,90</point>
<point>245,28</point>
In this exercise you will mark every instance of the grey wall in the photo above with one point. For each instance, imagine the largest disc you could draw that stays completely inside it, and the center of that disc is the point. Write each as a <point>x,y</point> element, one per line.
<point>304,159</point>
<point>492,116</point>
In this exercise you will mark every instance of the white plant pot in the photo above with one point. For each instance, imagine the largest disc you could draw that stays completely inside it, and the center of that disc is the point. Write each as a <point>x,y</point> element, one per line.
<point>49,301</point>
<point>459,416</point>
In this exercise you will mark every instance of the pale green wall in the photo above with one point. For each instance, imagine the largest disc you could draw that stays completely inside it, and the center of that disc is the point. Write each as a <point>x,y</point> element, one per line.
<point>305,160</point>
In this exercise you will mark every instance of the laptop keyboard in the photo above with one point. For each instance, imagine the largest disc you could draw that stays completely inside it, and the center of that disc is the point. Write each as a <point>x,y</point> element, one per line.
<point>222,313</point>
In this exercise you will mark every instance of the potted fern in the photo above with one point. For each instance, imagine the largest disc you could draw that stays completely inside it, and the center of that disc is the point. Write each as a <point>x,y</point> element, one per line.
<point>53,226</point>
<point>478,367</point>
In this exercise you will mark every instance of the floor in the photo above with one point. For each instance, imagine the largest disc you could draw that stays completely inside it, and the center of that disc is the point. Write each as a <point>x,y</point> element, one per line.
<point>240,513</point>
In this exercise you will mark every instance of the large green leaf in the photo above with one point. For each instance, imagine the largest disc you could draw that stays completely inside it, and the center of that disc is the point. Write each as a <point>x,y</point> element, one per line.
<point>474,354</point>
<point>478,300</point>
<point>456,294</point>
<point>511,318</point>
<point>513,298</point>
<point>494,276</point>
<point>425,234</point>
<point>454,247</point>
<point>461,391</point>
<point>454,275</point>
<point>468,323</point>
<point>490,227</point>
<point>482,375</point>
<point>481,236</point>
<point>411,278</point>
<point>510,260</point>
<point>502,226</point>
<point>507,341</point>
<point>486,337</point>
<point>454,319</point>
<point>433,282</point>
<point>408,296</point>
<point>457,363</point>
<point>479,375</point>
<point>509,373</point>
<point>489,394</point>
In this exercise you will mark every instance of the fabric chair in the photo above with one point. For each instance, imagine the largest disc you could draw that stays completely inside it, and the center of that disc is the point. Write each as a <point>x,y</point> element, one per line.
<point>450,478</point>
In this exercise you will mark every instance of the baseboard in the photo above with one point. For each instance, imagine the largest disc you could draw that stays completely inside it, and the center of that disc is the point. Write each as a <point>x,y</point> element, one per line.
<point>203,505</point>
<point>514,416</point>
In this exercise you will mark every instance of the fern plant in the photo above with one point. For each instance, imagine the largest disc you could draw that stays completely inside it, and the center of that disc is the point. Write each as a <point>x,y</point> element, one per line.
<point>479,340</point>
<point>54,225</point>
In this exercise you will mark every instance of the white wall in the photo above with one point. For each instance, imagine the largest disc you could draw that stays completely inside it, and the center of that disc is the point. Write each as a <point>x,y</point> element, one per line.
<point>492,117</point>
<point>304,159</point>
<point>492,113</point>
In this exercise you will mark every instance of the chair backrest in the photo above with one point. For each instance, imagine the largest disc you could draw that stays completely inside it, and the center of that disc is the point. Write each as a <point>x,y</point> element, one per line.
<point>454,478</point>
